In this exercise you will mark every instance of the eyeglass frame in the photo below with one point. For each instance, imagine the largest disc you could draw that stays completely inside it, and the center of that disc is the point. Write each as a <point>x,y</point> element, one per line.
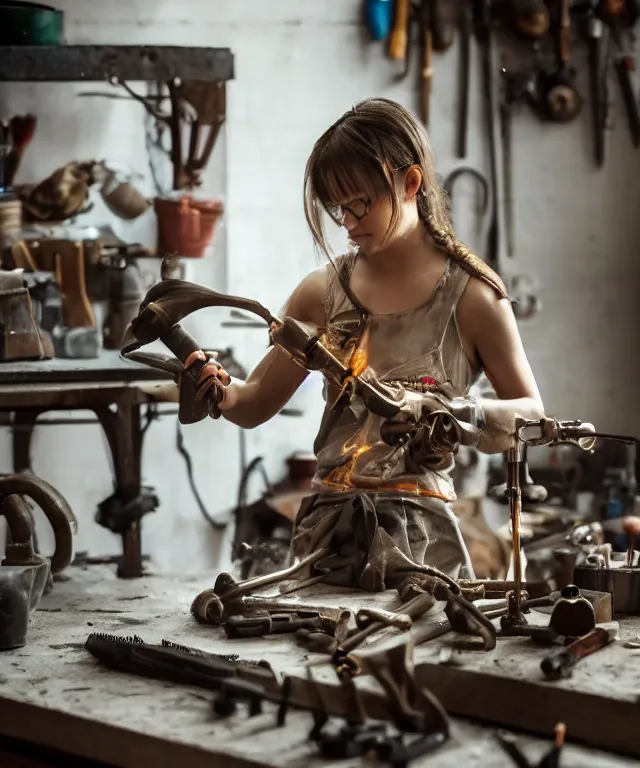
<point>365,200</point>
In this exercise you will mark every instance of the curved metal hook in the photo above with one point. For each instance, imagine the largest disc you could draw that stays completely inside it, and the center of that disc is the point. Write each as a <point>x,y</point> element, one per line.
<point>449,181</point>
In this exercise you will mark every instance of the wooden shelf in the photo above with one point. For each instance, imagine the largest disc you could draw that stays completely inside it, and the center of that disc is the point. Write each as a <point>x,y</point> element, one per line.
<point>94,63</point>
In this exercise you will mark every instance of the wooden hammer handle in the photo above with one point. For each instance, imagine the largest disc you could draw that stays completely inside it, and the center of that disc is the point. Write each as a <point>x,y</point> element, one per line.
<point>399,33</point>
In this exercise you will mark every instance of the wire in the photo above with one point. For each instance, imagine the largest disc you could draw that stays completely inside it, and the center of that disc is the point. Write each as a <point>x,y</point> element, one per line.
<point>218,525</point>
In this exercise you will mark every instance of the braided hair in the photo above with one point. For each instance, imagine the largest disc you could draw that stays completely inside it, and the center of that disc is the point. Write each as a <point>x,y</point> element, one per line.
<point>359,153</point>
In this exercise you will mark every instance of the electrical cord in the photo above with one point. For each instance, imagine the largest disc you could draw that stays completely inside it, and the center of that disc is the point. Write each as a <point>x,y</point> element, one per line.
<point>218,525</point>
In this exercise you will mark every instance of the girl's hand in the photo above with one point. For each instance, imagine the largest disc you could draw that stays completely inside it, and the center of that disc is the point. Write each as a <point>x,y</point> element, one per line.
<point>213,381</point>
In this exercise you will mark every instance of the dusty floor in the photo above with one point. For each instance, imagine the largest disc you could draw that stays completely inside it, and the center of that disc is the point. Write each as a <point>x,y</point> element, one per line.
<point>123,720</point>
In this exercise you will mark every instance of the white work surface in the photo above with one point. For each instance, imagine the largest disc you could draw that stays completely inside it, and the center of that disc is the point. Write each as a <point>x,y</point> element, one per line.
<point>53,693</point>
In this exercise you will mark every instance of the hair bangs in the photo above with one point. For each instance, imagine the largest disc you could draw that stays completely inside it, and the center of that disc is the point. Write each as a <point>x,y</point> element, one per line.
<point>343,171</point>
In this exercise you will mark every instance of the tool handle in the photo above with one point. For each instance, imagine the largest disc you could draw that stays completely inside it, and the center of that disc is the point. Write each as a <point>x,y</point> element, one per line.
<point>399,33</point>
<point>427,77</point>
<point>183,346</point>
<point>379,17</point>
<point>564,32</point>
<point>625,66</point>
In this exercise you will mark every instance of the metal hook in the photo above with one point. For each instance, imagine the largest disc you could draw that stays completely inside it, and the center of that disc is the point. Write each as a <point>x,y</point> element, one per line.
<point>478,176</point>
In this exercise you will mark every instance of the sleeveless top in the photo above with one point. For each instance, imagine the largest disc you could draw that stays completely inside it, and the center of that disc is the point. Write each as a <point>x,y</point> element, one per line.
<point>420,348</point>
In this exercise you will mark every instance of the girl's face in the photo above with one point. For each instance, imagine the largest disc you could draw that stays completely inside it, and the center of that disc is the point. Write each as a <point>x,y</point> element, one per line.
<point>367,220</point>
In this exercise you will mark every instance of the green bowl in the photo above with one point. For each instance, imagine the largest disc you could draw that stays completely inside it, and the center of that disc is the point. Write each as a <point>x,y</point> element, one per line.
<point>23,23</point>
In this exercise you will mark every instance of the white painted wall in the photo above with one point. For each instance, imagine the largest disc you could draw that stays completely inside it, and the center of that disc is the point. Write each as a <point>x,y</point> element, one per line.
<point>298,66</point>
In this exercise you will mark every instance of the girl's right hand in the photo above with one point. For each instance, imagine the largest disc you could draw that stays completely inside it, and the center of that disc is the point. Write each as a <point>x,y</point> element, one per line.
<point>212,384</point>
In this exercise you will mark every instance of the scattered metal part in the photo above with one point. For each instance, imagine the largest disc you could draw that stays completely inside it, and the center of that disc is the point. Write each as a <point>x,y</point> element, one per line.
<point>404,703</point>
<point>549,760</point>
<point>276,624</point>
<point>366,616</point>
<point>560,665</point>
<point>622,583</point>
<point>573,615</point>
<point>213,606</point>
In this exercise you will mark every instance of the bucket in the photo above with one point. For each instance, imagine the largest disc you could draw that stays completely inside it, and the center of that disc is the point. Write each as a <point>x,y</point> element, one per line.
<point>185,225</point>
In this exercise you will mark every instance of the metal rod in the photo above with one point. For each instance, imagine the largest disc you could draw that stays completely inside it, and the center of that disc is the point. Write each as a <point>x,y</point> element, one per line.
<point>515,459</point>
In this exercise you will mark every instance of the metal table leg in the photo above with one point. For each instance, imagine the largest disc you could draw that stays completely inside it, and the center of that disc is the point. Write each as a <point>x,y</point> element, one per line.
<point>122,512</point>
<point>24,422</point>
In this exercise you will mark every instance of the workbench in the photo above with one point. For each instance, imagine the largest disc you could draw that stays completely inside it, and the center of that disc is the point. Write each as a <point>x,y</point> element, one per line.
<point>53,694</point>
<point>107,386</point>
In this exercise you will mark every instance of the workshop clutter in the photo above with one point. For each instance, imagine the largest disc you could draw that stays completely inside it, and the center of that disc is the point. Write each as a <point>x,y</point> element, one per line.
<point>65,281</point>
<point>549,29</point>
<point>186,225</point>
<point>24,573</point>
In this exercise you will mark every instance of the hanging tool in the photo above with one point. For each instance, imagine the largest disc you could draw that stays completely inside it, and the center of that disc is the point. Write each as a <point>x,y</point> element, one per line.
<point>620,16</point>
<point>465,170</point>
<point>418,16</point>
<point>528,18</point>
<point>489,67</point>
<point>557,89</point>
<point>378,18</point>
<point>465,24</point>
<point>399,39</point>
<point>598,37</point>
<point>425,22</point>
<point>484,203</point>
<point>517,87</point>
<point>625,67</point>
<point>443,23</point>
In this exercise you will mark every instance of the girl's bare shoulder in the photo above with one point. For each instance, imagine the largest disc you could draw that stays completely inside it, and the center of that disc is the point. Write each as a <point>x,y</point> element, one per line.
<point>306,303</point>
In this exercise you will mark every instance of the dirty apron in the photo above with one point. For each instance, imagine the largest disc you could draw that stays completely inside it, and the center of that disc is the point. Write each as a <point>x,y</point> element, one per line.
<point>382,517</point>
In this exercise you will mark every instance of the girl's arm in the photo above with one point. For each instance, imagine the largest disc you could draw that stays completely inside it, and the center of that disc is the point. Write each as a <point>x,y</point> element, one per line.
<point>488,327</point>
<point>276,377</point>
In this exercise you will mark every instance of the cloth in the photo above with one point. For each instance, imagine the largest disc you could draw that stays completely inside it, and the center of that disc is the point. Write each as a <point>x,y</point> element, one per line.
<point>379,541</point>
<point>418,347</point>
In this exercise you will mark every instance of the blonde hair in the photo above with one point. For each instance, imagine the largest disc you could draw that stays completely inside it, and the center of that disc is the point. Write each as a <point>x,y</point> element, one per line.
<point>359,154</point>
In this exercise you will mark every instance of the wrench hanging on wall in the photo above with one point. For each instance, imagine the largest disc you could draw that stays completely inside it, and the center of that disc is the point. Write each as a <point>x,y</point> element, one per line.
<point>521,287</point>
<point>465,26</point>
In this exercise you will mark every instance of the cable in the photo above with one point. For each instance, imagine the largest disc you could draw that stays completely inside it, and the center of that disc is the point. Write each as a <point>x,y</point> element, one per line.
<point>218,525</point>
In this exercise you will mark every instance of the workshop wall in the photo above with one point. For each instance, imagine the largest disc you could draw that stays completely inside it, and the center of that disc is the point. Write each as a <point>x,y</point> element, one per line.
<point>298,66</point>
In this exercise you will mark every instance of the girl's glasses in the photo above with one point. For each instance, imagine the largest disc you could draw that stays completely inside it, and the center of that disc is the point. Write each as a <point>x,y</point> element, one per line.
<point>358,208</point>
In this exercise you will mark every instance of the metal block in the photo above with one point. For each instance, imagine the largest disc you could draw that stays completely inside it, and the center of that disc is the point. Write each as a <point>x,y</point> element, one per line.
<point>77,63</point>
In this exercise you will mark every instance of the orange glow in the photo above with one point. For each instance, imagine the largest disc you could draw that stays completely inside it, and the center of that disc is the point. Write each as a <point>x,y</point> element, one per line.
<point>340,478</point>
<point>360,357</point>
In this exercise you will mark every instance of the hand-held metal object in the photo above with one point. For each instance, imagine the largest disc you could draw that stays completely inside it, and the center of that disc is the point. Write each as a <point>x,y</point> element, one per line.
<point>169,301</point>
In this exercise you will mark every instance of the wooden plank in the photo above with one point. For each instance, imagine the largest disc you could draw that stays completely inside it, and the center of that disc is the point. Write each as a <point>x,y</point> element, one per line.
<point>75,63</point>
<point>535,707</point>
<point>115,746</point>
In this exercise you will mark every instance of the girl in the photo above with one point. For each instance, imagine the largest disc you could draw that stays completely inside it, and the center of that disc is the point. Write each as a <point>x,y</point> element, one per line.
<point>427,314</point>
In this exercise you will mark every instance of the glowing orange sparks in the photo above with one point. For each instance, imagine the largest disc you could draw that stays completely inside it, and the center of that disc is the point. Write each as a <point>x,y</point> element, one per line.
<point>358,363</point>
<point>360,357</point>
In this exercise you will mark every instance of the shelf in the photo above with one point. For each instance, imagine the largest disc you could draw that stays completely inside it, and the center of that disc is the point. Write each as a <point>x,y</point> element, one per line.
<point>94,63</point>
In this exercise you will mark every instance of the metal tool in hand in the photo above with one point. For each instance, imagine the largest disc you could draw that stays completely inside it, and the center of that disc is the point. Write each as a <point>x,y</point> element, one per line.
<point>170,301</point>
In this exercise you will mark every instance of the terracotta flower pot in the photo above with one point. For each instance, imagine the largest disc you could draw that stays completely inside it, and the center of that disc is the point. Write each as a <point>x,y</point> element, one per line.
<point>186,226</point>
